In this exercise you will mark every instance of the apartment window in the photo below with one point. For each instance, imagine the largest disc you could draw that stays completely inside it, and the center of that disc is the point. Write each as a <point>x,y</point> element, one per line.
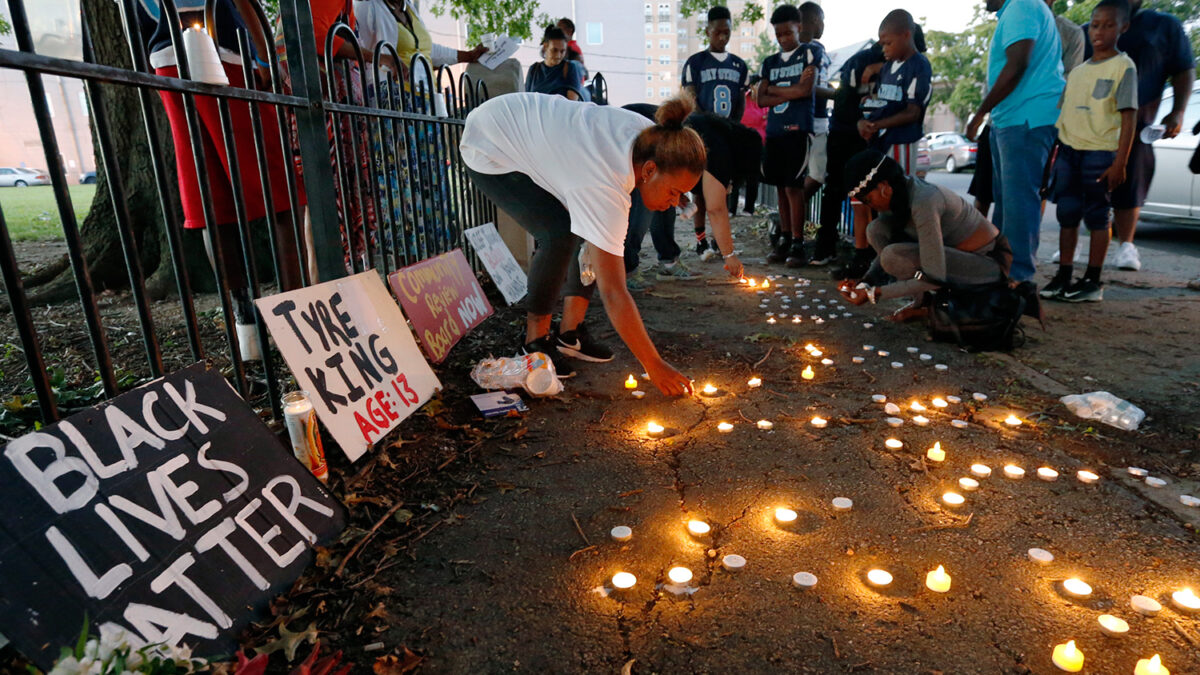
<point>683,33</point>
<point>649,60</point>
<point>649,90</point>
<point>595,33</point>
<point>664,27</point>
<point>649,77</point>
<point>664,60</point>
<point>665,92</point>
<point>649,44</point>
<point>649,27</point>
<point>664,44</point>
<point>648,11</point>
<point>664,11</point>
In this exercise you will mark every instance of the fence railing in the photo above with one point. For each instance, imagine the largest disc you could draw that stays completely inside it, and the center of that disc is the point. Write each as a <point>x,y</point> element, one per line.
<point>371,179</point>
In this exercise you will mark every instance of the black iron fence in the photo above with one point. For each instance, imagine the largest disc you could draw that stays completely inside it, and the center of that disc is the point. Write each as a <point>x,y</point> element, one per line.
<point>371,174</point>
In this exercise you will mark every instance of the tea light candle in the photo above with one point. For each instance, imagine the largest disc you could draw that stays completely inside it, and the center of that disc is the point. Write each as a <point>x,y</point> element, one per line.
<point>698,529</point>
<point>1012,420</point>
<point>638,394</point>
<point>623,581</point>
<point>1145,605</point>
<point>842,503</point>
<point>857,359</point>
<point>893,443</point>
<point>733,562</point>
<point>1013,471</point>
<point>709,390</point>
<point>879,398</point>
<point>817,353</point>
<point>926,357</point>
<point>1087,477</point>
<point>1189,500</point>
<point>1077,587</point>
<point>1040,556</point>
<point>953,499</point>
<point>940,402</point>
<point>1068,657</point>
<point>1186,601</point>
<point>679,575</point>
<point>941,367</point>
<point>1155,482</point>
<point>752,283</point>
<point>795,319</point>
<point>1151,666</point>
<point>868,326</point>
<point>771,320</point>
<point>920,420</point>
<point>809,347</point>
<point>883,352</point>
<point>868,348</point>
<point>785,516</point>
<point>916,406</point>
<point>827,362</point>
<point>894,421</point>
<point>654,429</point>
<point>891,409</point>
<point>936,454</point>
<point>766,425</point>
<point>937,580</point>
<point>754,382</point>
<point>1137,472</point>
<point>954,399</point>
<point>645,376</point>
<point>630,383</point>
<point>981,470</point>
<point>913,350</point>
<point>819,422</point>
<point>621,533</point>
<point>724,427</point>
<point>766,283</point>
<point>804,580</point>
<point>807,373</point>
<point>878,577</point>
<point>897,364</point>
<point>1112,626</point>
<point>959,424</point>
<point>1047,474</point>
<point>979,397</point>
<point>968,484</point>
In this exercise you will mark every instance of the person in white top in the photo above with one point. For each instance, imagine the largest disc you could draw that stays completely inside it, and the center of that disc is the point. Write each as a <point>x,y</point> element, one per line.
<point>513,147</point>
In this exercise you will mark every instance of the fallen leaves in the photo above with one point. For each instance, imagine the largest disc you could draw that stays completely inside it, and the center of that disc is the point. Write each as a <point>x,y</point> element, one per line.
<point>289,641</point>
<point>397,665</point>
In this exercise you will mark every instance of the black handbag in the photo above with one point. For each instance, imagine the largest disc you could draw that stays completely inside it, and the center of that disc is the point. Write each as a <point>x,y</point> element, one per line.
<point>983,318</point>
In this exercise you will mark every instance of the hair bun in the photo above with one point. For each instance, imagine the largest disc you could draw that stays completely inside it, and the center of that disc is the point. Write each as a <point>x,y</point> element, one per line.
<point>672,113</point>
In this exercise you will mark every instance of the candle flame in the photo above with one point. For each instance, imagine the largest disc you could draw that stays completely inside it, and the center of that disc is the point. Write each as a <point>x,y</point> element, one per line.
<point>654,428</point>
<point>1070,648</point>
<point>679,575</point>
<point>709,389</point>
<point>1155,662</point>
<point>1012,421</point>
<point>766,283</point>
<point>698,527</point>
<point>807,373</point>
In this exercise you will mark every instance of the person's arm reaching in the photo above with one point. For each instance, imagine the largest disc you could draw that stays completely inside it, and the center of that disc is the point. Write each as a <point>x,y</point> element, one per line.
<point>1017,55</point>
<point>623,313</point>
<point>1181,82</point>
<point>717,210</point>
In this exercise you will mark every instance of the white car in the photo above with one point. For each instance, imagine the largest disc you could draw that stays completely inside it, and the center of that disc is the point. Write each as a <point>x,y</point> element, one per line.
<point>1175,190</point>
<point>18,177</point>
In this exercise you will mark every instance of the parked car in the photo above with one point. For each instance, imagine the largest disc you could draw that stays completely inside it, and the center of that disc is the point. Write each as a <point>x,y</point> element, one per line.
<point>922,158</point>
<point>87,177</point>
<point>1175,191</point>
<point>19,177</point>
<point>951,151</point>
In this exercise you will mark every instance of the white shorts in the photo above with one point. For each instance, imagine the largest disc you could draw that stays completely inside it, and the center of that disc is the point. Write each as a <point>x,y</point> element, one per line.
<point>818,157</point>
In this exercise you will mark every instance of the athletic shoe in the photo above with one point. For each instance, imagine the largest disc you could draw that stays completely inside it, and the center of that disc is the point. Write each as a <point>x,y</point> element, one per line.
<point>1128,258</point>
<point>1084,290</point>
<point>855,269</point>
<point>701,247</point>
<point>637,283</point>
<point>546,345</point>
<point>578,344</point>
<point>1055,289</point>
<point>780,252</point>
<point>673,272</point>
<point>1194,284</point>
<point>713,253</point>
<point>1058,255</point>
<point>797,256</point>
<point>823,255</point>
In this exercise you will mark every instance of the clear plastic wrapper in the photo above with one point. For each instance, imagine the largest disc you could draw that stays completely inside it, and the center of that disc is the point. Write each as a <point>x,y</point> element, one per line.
<point>532,372</point>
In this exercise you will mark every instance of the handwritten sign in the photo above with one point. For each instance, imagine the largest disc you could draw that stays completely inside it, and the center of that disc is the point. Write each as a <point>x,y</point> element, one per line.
<point>442,299</point>
<point>170,512</point>
<point>499,261</point>
<point>350,348</point>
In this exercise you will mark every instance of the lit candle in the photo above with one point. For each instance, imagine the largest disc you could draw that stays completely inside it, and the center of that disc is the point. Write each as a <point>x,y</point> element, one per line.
<point>1145,605</point>
<point>1068,657</point>
<point>1013,471</point>
<point>857,359</point>
<point>765,425</point>
<point>809,347</point>
<point>1077,587</point>
<point>743,280</point>
<point>1087,477</point>
<point>1151,666</point>
<point>698,529</point>
<point>1186,601</point>
<point>936,453</point>
<point>733,562</point>
<point>752,283</point>
<point>883,352</point>
<point>754,382</point>
<point>724,427</point>
<point>630,383</point>
<point>623,581</point>
<point>937,580</point>
<point>795,319</point>
<point>920,420</point>
<point>1012,420</point>
<point>785,516</point>
<point>878,577</point>
<point>827,362</point>
<point>817,353</point>
<point>940,403</point>
<point>916,406</point>
<point>981,470</point>
<point>953,499</point>
<point>1047,474</point>
<point>621,533</point>
<point>819,422</point>
<point>893,443</point>
<point>766,283</point>
<point>1112,626</point>
<point>807,373</point>
<point>771,320</point>
<point>968,484</point>
<point>654,429</point>
<point>679,575</point>
<point>709,390</point>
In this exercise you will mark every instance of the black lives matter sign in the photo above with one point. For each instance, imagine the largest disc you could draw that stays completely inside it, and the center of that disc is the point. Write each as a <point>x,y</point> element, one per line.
<point>171,511</point>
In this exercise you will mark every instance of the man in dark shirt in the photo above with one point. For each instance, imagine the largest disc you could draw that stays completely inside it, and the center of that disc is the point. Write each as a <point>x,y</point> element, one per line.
<point>1160,49</point>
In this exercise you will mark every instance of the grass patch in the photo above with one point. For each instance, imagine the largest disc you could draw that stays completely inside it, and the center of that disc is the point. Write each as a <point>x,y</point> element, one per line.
<point>32,215</point>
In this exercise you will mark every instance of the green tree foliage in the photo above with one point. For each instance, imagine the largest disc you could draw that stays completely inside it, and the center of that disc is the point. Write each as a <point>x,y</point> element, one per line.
<point>959,62</point>
<point>504,17</point>
<point>4,27</point>
<point>765,47</point>
<point>752,12</point>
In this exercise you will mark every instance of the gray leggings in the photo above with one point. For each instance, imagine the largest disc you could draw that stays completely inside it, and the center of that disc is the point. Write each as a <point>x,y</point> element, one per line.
<point>903,260</point>
<point>543,216</point>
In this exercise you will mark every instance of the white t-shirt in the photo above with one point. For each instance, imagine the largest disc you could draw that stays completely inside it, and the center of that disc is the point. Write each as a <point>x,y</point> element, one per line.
<point>579,152</point>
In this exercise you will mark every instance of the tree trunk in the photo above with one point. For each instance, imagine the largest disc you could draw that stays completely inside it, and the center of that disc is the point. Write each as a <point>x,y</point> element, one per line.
<point>101,241</point>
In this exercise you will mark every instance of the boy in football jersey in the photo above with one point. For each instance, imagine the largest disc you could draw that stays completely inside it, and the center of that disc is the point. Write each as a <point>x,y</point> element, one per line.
<point>716,80</point>
<point>787,85</point>
<point>895,118</point>
<point>811,29</point>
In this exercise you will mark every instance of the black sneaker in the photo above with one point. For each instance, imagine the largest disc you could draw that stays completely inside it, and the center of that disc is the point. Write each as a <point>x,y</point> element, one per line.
<point>1055,289</point>
<point>546,345</point>
<point>780,252</point>
<point>578,344</point>
<point>797,256</point>
<point>701,246</point>
<point>823,254</point>
<point>1084,290</point>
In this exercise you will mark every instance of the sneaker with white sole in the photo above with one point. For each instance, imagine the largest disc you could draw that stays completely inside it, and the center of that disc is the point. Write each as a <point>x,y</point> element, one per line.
<point>578,344</point>
<point>710,254</point>
<point>1128,258</point>
<point>673,272</point>
<point>1084,290</point>
<point>1057,286</point>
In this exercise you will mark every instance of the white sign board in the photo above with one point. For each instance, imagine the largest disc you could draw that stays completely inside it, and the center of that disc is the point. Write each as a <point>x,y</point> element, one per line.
<point>499,261</point>
<point>350,348</point>
<point>499,52</point>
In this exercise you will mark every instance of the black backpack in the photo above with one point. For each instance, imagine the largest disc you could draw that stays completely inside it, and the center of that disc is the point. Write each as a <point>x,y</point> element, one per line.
<point>983,318</point>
